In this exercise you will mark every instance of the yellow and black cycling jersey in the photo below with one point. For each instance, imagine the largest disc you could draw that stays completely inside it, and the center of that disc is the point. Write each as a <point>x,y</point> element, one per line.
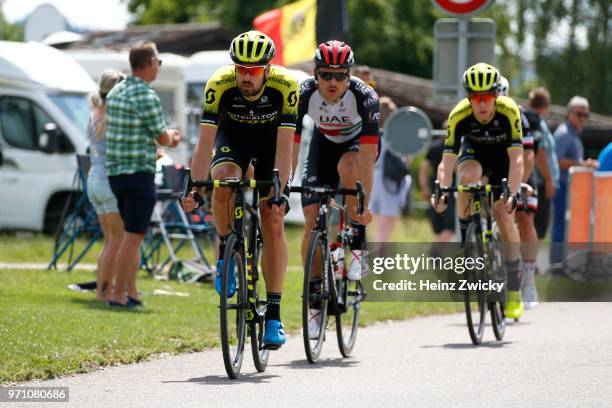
<point>274,106</point>
<point>503,130</point>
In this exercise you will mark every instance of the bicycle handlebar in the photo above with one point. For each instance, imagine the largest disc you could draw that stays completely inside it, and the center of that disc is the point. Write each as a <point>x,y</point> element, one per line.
<point>359,192</point>
<point>487,188</point>
<point>234,183</point>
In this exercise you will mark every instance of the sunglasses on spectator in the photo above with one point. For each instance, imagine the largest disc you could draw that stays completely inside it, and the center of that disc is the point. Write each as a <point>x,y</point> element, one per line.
<point>338,76</point>
<point>251,70</point>
<point>482,97</point>
<point>582,114</point>
<point>159,62</point>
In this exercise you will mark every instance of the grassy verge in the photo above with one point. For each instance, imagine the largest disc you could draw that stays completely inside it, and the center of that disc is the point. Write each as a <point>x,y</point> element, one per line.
<point>48,331</point>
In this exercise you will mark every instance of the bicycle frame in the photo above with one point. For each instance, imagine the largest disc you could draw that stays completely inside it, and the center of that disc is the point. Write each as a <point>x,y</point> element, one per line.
<point>479,199</point>
<point>249,247</point>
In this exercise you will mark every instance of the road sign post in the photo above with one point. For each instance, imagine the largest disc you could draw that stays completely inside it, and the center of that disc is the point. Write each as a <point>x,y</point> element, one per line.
<point>460,42</point>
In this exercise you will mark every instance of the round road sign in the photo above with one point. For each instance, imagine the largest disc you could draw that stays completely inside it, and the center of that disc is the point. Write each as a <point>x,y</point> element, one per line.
<point>463,7</point>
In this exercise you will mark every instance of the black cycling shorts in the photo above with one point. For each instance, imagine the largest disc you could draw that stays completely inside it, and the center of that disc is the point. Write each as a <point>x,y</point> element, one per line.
<point>321,165</point>
<point>494,160</point>
<point>240,145</point>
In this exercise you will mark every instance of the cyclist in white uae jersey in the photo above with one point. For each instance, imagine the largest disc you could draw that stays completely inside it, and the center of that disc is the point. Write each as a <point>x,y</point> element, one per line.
<point>344,144</point>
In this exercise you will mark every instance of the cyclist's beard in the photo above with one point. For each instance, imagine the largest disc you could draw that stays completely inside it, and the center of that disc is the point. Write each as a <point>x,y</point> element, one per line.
<point>248,90</point>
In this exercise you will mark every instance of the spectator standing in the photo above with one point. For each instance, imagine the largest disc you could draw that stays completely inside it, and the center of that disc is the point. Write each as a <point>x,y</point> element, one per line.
<point>388,195</point>
<point>135,122</point>
<point>98,188</point>
<point>569,153</point>
<point>443,224</point>
<point>545,177</point>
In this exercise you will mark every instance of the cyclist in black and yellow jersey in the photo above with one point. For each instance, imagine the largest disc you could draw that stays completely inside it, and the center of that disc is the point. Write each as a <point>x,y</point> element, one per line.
<point>485,139</point>
<point>250,111</point>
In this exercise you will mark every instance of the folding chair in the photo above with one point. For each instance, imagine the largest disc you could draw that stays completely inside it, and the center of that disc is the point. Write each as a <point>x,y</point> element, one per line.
<point>76,221</point>
<point>172,229</point>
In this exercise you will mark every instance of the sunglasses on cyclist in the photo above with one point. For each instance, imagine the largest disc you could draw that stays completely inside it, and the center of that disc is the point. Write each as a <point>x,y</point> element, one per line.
<point>338,76</point>
<point>251,70</point>
<point>482,97</point>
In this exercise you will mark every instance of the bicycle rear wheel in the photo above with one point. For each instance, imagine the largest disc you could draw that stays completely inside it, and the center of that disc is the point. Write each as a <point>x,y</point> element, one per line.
<point>475,299</point>
<point>317,258</point>
<point>233,310</point>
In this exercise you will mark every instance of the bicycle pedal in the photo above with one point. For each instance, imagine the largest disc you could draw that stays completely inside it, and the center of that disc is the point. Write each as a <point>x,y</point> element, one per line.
<point>271,346</point>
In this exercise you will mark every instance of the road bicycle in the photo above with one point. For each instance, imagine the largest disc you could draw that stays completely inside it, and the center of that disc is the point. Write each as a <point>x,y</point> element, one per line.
<point>329,259</point>
<point>482,241</point>
<point>242,315</point>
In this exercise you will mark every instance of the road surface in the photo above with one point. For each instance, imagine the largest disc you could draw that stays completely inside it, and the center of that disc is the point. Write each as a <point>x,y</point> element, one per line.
<point>558,355</point>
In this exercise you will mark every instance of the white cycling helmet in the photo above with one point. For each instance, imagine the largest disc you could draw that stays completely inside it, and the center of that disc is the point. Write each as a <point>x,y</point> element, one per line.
<point>504,86</point>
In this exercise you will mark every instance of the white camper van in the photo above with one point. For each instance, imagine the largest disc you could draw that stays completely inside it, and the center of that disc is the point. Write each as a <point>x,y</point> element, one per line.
<point>43,119</point>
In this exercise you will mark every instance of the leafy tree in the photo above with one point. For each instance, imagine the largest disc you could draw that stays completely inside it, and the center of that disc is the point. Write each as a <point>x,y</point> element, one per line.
<point>398,35</point>
<point>8,31</point>
<point>581,70</point>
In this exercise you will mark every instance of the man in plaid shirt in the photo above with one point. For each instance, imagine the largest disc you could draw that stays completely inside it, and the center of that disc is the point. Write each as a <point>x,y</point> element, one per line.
<point>135,123</point>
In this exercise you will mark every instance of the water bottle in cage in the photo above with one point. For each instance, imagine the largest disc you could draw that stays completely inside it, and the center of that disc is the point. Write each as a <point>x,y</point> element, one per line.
<point>337,259</point>
<point>340,263</point>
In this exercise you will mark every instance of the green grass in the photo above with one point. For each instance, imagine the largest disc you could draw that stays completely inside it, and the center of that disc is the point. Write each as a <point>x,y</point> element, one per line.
<point>47,331</point>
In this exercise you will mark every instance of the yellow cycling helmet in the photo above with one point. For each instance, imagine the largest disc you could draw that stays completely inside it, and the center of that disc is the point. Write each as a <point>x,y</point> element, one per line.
<point>481,78</point>
<point>252,47</point>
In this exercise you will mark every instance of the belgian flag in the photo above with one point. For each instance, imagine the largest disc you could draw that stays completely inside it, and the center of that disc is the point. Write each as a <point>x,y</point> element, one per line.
<point>297,28</point>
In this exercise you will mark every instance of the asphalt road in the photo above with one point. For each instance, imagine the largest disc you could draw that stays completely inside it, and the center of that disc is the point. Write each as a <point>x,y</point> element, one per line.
<point>558,355</point>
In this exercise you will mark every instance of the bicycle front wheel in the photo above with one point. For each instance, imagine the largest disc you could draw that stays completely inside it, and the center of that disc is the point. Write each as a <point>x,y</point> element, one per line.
<point>232,310</point>
<point>475,298</point>
<point>256,325</point>
<point>314,305</point>
<point>497,301</point>
<point>347,323</point>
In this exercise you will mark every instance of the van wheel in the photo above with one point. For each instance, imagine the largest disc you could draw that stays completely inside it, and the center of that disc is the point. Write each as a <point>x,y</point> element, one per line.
<point>59,207</point>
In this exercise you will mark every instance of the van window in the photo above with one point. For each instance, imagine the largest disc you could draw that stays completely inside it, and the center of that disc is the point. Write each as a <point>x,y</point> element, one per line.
<point>195,94</point>
<point>40,120</point>
<point>17,123</point>
<point>167,101</point>
<point>76,107</point>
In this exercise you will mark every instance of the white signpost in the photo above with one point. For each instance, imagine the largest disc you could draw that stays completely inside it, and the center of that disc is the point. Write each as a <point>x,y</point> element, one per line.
<point>459,42</point>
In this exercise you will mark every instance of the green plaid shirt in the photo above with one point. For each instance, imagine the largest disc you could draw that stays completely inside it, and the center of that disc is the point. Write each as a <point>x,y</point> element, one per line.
<point>135,121</point>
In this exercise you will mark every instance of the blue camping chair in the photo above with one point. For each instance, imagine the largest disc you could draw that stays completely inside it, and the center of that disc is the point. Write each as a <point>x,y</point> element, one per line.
<point>171,230</point>
<point>79,220</point>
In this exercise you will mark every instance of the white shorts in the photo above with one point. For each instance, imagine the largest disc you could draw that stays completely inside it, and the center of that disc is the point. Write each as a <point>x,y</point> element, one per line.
<point>387,198</point>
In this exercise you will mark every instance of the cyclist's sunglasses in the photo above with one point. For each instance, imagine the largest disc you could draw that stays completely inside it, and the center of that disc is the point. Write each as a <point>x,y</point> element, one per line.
<point>338,76</point>
<point>251,70</point>
<point>482,96</point>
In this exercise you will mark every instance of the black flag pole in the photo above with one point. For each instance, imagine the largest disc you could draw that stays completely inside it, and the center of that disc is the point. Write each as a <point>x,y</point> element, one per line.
<point>332,20</point>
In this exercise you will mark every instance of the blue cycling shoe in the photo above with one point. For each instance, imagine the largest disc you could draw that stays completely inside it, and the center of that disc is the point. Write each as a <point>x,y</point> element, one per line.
<point>274,336</point>
<point>231,281</point>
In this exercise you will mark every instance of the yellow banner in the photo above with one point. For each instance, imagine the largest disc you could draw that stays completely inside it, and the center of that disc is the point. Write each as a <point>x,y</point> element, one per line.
<point>298,31</point>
